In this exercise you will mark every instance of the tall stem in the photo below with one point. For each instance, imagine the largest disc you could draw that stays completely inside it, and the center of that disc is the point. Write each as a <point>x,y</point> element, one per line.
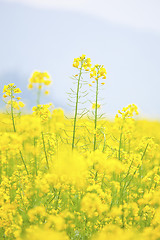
<point>23,161</point>
<point>35,156</point>
<point>44,147</point>
<point>14,128</point>
<point>76,108</point>
<point>12,115</point>
<point>120,140</point>
<point>120,143</point>
<point>95,120</point>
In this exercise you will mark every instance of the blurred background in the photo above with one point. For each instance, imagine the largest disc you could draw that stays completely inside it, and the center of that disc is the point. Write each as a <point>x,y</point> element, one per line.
<point>46,35</point>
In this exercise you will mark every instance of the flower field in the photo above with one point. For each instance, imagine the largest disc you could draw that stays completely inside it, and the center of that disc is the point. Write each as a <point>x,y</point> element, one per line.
<point>83,177</point>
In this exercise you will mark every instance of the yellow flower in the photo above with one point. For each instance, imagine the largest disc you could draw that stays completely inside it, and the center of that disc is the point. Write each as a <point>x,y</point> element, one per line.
<point>83,56</point>
<point>34,109</point>
<point>42,111</point>
<point>86,63</point>
<point>94,105</point>
<point>21,104</point>
<point>76,62</point>
<point>5,88</point>
<point>102,72</point>
<point>39,77</point>
<point>47,82</point>
<point>46,92</point>
<point>30,85</point>
<point>17,90</point>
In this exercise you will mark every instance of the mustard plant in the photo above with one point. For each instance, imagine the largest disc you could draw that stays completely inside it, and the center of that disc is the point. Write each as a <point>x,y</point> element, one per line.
<point>125,118</point>
<point>83,64</point>
<point>14,104</point>
<point>97,72</point>
<point>43,112</point>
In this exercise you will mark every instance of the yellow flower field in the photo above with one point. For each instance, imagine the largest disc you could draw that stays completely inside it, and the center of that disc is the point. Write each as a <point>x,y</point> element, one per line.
<point>78,178</point>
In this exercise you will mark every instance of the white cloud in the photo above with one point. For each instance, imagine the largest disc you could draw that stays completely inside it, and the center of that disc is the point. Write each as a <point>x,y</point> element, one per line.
<point>141,14</point>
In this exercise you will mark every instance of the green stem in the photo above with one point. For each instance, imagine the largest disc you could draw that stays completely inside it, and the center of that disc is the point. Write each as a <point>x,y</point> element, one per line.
<point>120,143</point>
<point>123,224</point>
<point>14,128</point>
<point>120,140</point>
<point>95,120</point>
<point>104,142</point>
<point>12,115</point>
<point>0,168</point>
<point>58,197</point>
<point>44,147</point>
<point>76,109</point>
<point>127,184</point>
<point>35,156</point>
<point>23,162</point>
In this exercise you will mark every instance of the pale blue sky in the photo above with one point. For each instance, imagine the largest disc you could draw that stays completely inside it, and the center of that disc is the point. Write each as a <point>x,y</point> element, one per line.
<point>124,35</point>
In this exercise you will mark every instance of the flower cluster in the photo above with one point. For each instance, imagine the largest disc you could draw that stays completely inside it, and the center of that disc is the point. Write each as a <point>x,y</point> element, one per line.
<point>85,62</point>
<point>128,112</point>
<point>42,111</point>
<point>9,92</point>
<point>97,72</point>
<point>41,79</point>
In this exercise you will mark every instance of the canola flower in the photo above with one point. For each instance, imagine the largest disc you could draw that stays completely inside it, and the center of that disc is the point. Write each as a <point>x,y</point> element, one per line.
<point>42,111</point>
<point>12,102</point>
<point>50,191</point>
<point>82,62</point>
<point>39,79</point>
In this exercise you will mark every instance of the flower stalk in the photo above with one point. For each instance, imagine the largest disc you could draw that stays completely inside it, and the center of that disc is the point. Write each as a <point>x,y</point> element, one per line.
<point>76,107</point>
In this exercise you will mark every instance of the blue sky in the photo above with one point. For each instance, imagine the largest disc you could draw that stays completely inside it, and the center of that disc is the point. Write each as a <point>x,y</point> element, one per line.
<point>124,35</point>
